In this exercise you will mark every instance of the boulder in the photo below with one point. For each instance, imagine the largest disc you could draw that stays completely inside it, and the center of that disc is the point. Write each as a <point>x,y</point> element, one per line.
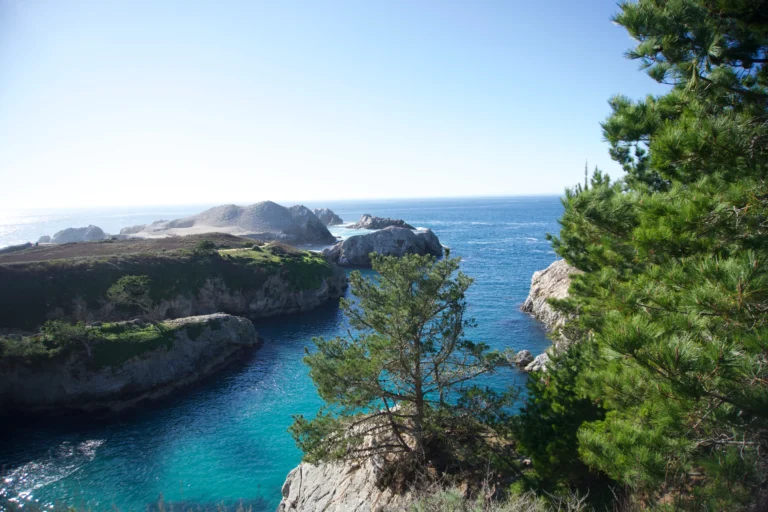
<point>392,241</point>
<point>538,364</point>
<point>523,358</point>
<point>263,221</point>
<point>73,235</point>
<point>368,221</point>
<point>327,216</point>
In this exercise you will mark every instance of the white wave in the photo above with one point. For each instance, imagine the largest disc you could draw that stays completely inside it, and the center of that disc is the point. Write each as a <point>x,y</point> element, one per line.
<point>21,482</point>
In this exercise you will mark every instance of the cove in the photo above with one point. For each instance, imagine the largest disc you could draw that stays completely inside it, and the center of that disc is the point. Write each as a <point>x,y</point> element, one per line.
<point>225,440</point>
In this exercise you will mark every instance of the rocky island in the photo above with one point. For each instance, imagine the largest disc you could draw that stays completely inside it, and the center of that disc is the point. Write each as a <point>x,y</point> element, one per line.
<point>391,241</point>
<point>327,217</point>
<point>75,235</point>
<point>264,221</point>
<point>368,221</point>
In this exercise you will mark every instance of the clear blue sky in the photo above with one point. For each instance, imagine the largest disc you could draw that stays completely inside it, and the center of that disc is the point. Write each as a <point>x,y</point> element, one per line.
<point>153,102</point>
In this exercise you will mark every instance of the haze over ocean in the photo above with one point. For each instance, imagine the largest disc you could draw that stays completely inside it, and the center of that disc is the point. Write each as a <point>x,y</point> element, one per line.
<point>226,439</point>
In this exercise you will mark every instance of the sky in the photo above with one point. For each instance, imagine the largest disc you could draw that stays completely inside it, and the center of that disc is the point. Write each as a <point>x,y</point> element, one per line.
<point>188,101</point>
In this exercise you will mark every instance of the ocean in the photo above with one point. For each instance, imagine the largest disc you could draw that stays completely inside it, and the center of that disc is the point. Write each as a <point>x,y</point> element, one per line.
<point>225,440</point>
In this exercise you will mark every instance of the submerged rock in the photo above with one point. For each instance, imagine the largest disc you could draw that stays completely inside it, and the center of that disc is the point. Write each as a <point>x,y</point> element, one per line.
<point>368,221</point>
<point>108,375</point>
<point>392,241</point>
<point>327,216</point>
<point>73,235</point>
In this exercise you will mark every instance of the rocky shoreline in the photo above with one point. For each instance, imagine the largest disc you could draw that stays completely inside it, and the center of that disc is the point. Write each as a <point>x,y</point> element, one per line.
<point>179,353</point>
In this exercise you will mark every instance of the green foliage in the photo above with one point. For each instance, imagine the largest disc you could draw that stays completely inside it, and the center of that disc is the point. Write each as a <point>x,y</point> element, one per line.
<point>99,346</point>
<point>673,301</point>
<point>33,292</point>
<point>205,247</point>
<point>132,293</point>
<point>405,373</point>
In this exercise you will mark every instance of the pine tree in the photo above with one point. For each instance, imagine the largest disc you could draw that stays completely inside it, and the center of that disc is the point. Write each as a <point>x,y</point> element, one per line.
<point>674,295</point>
<point>405,373</point>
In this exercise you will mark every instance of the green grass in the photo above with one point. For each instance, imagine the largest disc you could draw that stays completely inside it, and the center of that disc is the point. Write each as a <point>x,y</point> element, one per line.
<point>110,344</point>
<point>33,292</point>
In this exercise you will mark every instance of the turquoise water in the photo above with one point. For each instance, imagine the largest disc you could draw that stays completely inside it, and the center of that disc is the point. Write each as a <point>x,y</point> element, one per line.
<point>225,440</point>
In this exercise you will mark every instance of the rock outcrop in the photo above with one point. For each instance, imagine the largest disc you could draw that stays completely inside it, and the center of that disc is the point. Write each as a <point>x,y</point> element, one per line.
<point>339,487</point>
<point>184,351</point>
<point>74,235</point>
<point>392,241</point>
<point>550,283</point>
<point>368,221</point>
<point>327,217</point>
<point>264,221</point>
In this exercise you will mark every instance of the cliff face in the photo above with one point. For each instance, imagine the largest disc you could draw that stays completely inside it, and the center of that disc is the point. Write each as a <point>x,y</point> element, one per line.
<point>238,281</point>
<point>338,487</point>
<point>115,371</point>
<point>552,282</point>
<point>391,241</point>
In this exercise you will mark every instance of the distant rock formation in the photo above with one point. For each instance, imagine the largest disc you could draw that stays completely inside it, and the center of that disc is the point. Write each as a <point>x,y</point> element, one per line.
<point>551,283</point>
<point>15,248</point>
<point>73,235</point>
<point>391,241</point>
<point>188,350</point>
<point>327,217</point>
<point>368,221</point>
<point>265,221</point>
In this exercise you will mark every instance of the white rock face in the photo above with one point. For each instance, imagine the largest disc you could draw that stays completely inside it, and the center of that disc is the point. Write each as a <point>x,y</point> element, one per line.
<point>368,221</point>
<point>265,220</point>
<point>550,283</point>
<point>72,235</point>
<point>327,216</point>
<point>338,487</point>
<point>392,241</point>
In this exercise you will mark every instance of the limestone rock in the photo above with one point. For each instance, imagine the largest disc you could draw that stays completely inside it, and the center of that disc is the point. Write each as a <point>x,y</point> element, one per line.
<point>368,221</point>
<point>196,347</point>
<point>264,221</point>
<point>523,358</point>
<point>392,241</point>
<point>552,282</point>
<point>539,363</point>
<point>72,235</point>
<point>327,216</point>
<point>338,487</point>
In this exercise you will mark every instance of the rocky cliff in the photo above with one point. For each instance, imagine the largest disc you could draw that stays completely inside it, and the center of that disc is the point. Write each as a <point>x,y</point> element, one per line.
<point>551,283</point>
<point>74,235</point>
<point>391,241</point>
<point>368,221</point>
<point>265,221</point>
<point>251,282</point>
<point>327,216</point>
<point>119,365</point>
<point>339,487</point>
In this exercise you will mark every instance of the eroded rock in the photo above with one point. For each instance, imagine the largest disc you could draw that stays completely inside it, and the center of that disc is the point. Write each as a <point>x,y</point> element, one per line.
<point>392,241</point>
<point>368,221</point>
